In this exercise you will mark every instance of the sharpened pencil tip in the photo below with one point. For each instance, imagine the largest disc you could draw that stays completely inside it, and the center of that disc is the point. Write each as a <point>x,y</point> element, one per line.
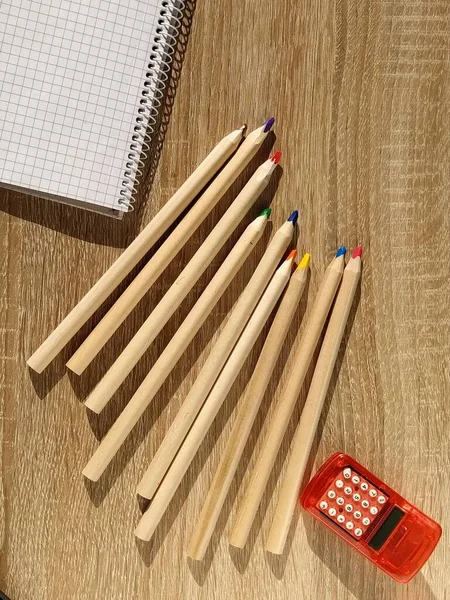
<point>293,218</point>
<point>292,254</point>
<point>304,263</point>
<point>275,158</point>
<point>357,252</point>
<point>265,213</point>
<point>269,124</point>
<point>341,251</point>
<point>243,127</point>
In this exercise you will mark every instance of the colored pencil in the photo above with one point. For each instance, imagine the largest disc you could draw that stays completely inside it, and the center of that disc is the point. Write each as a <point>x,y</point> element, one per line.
<point>199,312</point>
<point>129,258</point>
<point>247,412</point>
<point>118,433</point>
<point>218,356</point>
<point>164,255</point>
<point>285,406</point>
<point>304,435</point>
<point>198,315</point>
<point>215,399</point>
<point>185,281</point>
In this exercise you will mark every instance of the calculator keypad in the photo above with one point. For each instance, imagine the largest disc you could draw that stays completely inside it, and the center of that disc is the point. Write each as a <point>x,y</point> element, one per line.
<point>352,502</point>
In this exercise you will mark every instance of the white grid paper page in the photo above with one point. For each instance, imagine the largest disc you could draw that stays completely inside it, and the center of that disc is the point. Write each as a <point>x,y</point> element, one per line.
<point>71,77</point>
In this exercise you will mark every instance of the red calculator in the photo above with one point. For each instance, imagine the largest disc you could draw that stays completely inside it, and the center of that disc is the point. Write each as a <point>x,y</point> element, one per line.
<point>373,518</point>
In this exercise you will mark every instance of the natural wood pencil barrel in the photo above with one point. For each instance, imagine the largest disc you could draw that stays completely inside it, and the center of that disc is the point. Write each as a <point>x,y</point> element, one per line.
<point>161,259</point>
<point>135,251</point>
<point>306,430</point>
<point>199,312</point>
<point>141,399</point>
<point>247,413</point>
<point>178,291</point>
<point>215,361</point>
<point>216,397</point>
<point>283,411</point>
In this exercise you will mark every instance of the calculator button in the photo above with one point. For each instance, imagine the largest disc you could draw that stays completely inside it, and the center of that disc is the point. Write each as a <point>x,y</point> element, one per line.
<point>356,479</point>
<point>349,525</point>
<point>373,493</point>
<point>348,490</point>
<point>331,494</point>
<point>323,505</point>
<point>373,510</point>
<point>365,504</point>
<point>358,532</point>
<point>356,497</point>
<point>364,486</point>
<point>348,508</point>
<point>381,499</point>
<point>339,484</point>
<point>332,512</point>
<point>340,501</point>
<point>347,473</point>
<point>357,514</point>
<point>341,518</point>
<point>366,521</point>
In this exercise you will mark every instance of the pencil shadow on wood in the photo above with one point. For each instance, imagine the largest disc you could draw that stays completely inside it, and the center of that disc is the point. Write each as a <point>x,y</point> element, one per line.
<point>84,384</point>
<point>351,568</point>
<point>200,569</point>
<point>278,563</point>
<point>241,557</point>
<point>100,424</point>
<point>149,551</point>
<point>43,383</point>
<point>93,227</point>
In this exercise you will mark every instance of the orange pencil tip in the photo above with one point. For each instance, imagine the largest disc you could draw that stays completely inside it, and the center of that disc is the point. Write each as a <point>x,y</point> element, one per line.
<point>291,255</point>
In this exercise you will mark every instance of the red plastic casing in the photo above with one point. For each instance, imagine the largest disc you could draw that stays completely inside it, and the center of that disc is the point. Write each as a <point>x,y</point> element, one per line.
<point>410,542</point>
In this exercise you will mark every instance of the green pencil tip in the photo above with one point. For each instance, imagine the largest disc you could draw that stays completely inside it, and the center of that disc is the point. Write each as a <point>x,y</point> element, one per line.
<point>265,213</point>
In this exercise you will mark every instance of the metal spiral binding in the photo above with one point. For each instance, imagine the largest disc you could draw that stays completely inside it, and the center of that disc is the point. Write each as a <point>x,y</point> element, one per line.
<point>163,47</point>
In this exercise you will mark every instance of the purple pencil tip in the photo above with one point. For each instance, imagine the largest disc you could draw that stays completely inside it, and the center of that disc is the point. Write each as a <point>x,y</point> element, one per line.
<point>268,124</point>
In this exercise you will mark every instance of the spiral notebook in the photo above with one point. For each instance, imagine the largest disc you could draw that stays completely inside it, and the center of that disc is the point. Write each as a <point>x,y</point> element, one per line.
<point>81,86</point>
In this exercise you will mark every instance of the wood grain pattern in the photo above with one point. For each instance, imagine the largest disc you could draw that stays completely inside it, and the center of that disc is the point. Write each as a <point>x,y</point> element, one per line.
<point>361,94</point>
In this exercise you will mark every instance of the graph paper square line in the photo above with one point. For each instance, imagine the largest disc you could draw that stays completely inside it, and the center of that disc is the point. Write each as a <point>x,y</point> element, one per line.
<point>71,78</point>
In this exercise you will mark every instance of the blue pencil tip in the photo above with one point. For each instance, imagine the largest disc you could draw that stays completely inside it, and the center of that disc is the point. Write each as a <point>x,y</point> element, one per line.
<point>294,217</point>
<point>268,124</point>
<point>341,251</point>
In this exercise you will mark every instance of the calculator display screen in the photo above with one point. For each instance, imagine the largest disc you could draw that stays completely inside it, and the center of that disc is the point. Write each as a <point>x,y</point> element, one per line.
<point>391,522</point>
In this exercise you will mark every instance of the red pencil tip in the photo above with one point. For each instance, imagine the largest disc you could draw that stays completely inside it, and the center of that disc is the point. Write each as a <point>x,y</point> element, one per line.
<point>291,255</point>
<point>357,252</point>
<point>276,157</point>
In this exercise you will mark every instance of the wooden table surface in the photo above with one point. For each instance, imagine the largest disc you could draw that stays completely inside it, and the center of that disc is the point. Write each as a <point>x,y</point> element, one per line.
<point>360,90</point>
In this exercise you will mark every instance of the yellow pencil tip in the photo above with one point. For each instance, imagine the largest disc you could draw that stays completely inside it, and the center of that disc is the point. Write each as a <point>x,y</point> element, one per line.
<point>304,263</point>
